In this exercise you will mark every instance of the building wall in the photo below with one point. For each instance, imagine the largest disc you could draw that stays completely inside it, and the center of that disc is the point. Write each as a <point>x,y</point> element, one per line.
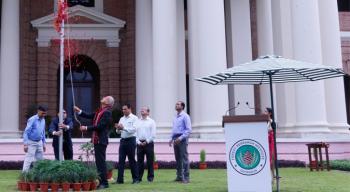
<point>39,65</point>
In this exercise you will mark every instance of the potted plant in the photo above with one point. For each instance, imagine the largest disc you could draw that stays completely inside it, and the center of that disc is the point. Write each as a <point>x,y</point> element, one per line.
<point>65,179</point>
<point>202,163</point>
<point>92,177</point>
<point>84,176</point>
<point>23,184</point>
<point>76,181</point>
<point>110,168</point>
<point>55,181</point>
<point>155,163</point>
<point>44,179</point>
<point>32,179</point>
<point>88,152</point>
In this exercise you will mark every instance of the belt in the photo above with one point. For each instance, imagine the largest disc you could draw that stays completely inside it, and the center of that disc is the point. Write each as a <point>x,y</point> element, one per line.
<point>145,140</point>
<point>35,140</point>
<point>176,135</point>
<point>128,138</point>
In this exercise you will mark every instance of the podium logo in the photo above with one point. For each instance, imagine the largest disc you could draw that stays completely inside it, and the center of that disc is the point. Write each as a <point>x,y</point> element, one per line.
<point>247,157</point>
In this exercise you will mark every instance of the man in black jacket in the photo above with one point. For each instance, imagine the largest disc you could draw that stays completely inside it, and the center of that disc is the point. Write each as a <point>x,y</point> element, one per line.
<point>56,130</point>
<point>102,120</point>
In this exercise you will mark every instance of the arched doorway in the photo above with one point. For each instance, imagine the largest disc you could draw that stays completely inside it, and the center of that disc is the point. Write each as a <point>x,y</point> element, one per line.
<point>85,77</point>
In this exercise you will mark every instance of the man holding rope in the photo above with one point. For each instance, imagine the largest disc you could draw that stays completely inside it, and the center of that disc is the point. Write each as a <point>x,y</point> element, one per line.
<point>101,122</point>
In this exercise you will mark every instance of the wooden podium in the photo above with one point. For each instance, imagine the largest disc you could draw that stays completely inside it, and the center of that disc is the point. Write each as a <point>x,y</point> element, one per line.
<point>247,153</point>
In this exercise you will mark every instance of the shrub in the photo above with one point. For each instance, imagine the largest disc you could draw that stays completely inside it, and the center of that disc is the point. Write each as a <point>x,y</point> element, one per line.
<point>110,165</point>
<point>343,165</point>
<point>202,156</point>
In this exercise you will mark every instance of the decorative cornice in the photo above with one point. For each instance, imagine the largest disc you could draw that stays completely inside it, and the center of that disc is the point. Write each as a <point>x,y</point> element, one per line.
<point>106,27</point>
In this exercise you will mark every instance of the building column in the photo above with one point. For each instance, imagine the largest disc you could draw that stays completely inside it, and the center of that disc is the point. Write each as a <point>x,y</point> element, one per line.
<point>265,47</point>
<point>181,50</point>
<point>282,45</point>
<point>311,116</point>
<point>9,68</point>
<point>207,55</point>
<point>165,61</point>
<point>144,55</point>
<point>241,43</point>
<point>331,55</point>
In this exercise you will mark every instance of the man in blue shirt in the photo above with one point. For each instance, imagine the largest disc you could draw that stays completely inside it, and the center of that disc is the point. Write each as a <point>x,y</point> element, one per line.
<point>34,138</point>
<point>179,139</point>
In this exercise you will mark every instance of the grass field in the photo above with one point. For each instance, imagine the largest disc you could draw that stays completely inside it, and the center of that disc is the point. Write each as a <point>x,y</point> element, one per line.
<point>214,180</point>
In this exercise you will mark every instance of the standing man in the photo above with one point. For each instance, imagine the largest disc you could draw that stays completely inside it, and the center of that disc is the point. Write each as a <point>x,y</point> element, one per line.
<point>179,139</point>
<point>145,135</point>
<point>34,138</point>
<point>56,130</point>
<point>102,119</point>
<point>127,147</point>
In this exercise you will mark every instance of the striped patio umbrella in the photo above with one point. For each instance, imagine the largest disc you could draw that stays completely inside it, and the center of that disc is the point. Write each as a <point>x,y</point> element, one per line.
<point>273,69</point>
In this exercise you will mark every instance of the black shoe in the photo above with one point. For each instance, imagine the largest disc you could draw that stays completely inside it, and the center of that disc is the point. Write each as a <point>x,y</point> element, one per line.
<point>119,182</point>
<point>185,181</point>
<point>150,180</point>
<point>178,180</point>
<point>136,182</point>
<point>102,187</point>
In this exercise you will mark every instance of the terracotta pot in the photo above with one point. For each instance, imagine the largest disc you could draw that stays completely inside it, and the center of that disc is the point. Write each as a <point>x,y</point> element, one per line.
<point>155,165</point>
<point>33,186</point>
<point>76,186</point>
<point>86,186</point>
<point>93,185</point>
<point>202,165</point>
<point>44,187</point>
<point>65,186</point>
<point>109,174</point>
<point>54,187</point>
<point>23,186</point>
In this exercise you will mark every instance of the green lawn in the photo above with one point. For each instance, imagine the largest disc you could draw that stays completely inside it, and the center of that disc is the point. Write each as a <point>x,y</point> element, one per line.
<point>214,180</point>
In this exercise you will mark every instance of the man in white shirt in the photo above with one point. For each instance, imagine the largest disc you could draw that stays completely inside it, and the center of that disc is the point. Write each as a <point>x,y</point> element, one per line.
<point>127,147</point>
<point>145,135</point>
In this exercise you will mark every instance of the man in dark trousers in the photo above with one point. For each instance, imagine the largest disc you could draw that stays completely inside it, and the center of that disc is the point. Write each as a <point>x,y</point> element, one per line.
<point>126,127</point>
<point>102,120</point>
<point>179,139</point>
<point>145,135</point>
<point>56,130</point>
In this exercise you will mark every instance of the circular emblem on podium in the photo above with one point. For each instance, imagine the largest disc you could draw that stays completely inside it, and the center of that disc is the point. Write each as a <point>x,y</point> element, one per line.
<point>247,157</point>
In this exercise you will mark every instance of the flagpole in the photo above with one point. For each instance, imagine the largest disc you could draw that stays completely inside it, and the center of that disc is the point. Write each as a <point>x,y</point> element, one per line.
<point>60,116</point>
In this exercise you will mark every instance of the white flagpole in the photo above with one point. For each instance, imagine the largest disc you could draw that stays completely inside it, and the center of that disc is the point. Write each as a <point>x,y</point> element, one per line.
<point>61,86</point>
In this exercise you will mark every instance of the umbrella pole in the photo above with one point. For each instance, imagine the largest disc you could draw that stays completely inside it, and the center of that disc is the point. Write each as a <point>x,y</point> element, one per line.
<point>273,125</point>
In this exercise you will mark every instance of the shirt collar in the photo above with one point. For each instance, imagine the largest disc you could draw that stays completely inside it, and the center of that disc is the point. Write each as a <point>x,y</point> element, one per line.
<point>37,117</point>
<point>180,114</point>
<point>147,118</point>
<point>130,115</point>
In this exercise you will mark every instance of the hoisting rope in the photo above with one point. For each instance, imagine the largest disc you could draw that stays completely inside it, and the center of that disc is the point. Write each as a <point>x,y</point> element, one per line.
<point>63,13</point>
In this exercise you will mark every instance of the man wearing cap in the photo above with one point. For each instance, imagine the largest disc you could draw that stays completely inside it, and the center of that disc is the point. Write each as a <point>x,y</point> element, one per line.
<point>56,130</point>
<point>34,138</point>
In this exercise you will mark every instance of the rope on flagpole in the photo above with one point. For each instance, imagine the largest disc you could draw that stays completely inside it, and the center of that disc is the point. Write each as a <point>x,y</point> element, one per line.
<point>62,15</point>
<point>71,73</point>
